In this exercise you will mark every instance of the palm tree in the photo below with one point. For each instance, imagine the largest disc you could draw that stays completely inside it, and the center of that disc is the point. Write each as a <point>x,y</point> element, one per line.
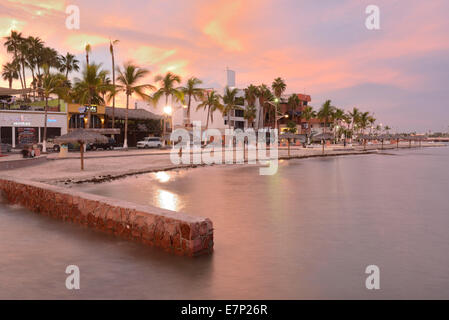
<point>128,79</point>
<point>51,84</point>
<point>364,121</point>
<point>68,64</point>
<point>250,114</point>
<point>111,50</point>
<point>88,50</point>
<point>337,117</point>
<point>278,87</point>
<point>326,113</point>
<point>89,89</point>
<point>293,102</point>
<point>10,73</point>
<point>251,93</point>
<point>212,103</point>
<point>14,45</point>
<point>168,88</point>
<point>264,94</point>
<point>229,101</point>
<point>355,116</point>
<point>191,90</point>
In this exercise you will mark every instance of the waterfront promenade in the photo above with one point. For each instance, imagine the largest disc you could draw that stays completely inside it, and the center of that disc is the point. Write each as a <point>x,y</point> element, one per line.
<point>105,165</point>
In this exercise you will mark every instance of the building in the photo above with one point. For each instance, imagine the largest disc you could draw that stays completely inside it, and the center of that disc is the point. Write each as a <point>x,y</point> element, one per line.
<point>22,127</point>
<point>77,116</point>
<point>141,123</point>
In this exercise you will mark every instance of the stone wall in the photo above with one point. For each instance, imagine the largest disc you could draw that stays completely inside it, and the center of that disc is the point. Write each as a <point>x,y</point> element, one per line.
<point>174,232</point>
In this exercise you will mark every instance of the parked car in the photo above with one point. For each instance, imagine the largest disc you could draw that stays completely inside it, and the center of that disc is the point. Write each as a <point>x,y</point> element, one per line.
<point>150,142</point>
<point>110,145</point>
<point>4,147</point>
<point>51,145</point>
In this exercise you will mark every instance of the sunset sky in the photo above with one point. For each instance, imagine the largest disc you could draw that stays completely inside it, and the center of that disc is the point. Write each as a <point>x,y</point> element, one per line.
<point>322,48</point>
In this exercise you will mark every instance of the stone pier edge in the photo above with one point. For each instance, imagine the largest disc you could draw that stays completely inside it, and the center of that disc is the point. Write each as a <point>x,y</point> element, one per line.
<point>174,232</point>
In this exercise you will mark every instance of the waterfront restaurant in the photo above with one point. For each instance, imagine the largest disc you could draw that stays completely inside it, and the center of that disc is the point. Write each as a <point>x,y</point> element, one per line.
<point>77,116</point>
<point>141,124</point>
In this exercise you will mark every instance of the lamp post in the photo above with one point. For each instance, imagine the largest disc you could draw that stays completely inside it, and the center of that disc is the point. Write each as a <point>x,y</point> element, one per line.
<point>168,113</point>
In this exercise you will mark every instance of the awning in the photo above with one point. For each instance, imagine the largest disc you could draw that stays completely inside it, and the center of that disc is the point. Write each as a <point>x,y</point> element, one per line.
<point>11,92</point>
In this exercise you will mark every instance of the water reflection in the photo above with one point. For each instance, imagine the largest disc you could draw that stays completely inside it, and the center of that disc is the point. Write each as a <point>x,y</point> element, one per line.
<point>162,176</point>
<point>167,200</point>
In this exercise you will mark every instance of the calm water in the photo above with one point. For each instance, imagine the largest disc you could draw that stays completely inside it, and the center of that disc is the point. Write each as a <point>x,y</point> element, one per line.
<point>307,232</point>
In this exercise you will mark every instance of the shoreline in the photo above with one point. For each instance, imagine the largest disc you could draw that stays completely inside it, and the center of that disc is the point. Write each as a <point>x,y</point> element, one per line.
<point>96,179</point>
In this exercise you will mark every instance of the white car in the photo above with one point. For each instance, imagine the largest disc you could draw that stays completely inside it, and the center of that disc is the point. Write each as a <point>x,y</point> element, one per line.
<point>150,142</point>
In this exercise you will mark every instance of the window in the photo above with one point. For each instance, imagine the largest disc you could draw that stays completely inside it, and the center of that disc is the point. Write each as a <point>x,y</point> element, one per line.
<point>238,113</point>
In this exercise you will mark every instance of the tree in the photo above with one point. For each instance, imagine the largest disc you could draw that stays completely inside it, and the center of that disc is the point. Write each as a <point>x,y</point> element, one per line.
<point>51,84</point>
<point>293,103</point>
<point>325,113</point>
<point>90,88</point>
<point>88,50</point>
<point>191,90</point>
<point>167,88</point>
<point>68,64</point>
<point>264,94</point>
<point>15,44</point>
<point>337,117</point>
<point>10,73</point>
<point>355,116</point>
<point>111,50</point>
<point>291,127</point>
<point>251,93</point>
<point>250,114</point>
<point>212,103</point>
<point>128,79</point>
<point>278,87</point>
<point>307,114</point>
<point>229,101</point>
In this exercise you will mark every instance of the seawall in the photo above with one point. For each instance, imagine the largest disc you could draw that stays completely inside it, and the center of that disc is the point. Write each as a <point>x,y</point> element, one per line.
<point>171,231</point>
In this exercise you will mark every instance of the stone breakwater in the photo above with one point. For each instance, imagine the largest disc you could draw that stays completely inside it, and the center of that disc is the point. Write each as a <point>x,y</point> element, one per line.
<point>174,232</point>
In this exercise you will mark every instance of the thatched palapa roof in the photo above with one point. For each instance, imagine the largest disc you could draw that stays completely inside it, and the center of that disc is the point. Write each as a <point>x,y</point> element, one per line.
<point>82,136</point>
<point>134,114</point>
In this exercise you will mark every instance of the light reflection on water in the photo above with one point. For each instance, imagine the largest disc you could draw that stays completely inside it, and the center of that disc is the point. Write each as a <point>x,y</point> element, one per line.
<point>307,232</point>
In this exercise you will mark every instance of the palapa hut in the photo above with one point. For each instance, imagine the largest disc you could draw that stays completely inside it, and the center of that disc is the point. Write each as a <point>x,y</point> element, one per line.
<point>81,136</point>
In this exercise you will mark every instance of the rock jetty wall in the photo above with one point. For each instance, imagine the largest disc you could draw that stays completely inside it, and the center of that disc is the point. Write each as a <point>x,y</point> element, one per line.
<point>174,232</point>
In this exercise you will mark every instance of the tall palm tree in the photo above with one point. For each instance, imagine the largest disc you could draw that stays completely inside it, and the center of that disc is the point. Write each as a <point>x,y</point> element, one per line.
<point>326,113</point>
<point>68,64</point>
<point>337,117</point>
<point>51,84</point>
<point>14,45</point>
<point>88,50</point>
<point>10,73</point>
<point>355,116</point>
<point>111,50</point>
<point>251,93</point>
<point>250,114</point>
<point>264,94</point>
<point>293,102</point>
<point>168,88</point>
<point>364,121</point>
<point>307,114</point>
<point>89,89</point>
<point>212,103</point>
<point>191,90</point>
<point>278,87</point>
<point>128,79</point>
<point>229,101</point>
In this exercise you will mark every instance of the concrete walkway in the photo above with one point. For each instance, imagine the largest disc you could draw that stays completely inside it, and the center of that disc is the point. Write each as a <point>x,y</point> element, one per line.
<point>113,164</point>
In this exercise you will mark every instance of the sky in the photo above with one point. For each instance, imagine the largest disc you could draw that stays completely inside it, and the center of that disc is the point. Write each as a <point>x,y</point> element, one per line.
<point>322,48</point>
